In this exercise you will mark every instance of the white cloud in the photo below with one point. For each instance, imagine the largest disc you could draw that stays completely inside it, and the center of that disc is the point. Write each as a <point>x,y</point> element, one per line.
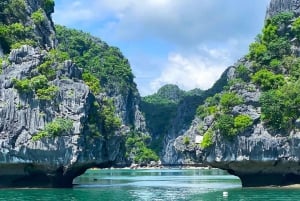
<point>193,71</point>
<point>180,22</point>
<point>205,36</point>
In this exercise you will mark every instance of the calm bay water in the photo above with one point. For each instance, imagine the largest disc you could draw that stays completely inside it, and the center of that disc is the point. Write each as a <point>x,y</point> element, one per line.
<point>140,185</point>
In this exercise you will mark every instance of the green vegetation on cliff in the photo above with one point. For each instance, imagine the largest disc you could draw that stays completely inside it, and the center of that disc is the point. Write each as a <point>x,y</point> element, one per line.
<point>39,85</point>
<point>207,139</point>
<point>102,120</point>
<point>278,76</point>
<point>57,127</point>
<point>161,108</point>
<point>15,28</point>
<point>171,110</point>
<point>105,70</point>
<point>271,68</point>
<point>137,150</point>
<point>97,58</point>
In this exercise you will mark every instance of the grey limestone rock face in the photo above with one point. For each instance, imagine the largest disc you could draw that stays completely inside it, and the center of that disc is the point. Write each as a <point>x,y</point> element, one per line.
<point>249,110</point>
<point>277,6</point>
<point>44,31</point>
<point>179,125</point>
<point>53,161</point>
<point>259,156</point>
<point>127,108</point>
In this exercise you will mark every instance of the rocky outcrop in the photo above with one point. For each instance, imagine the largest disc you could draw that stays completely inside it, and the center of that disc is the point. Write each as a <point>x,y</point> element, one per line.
<point>127,108</point>
<point>50,161</point>
<point>257,157</point>
<point>29,155</point>
<point>172,148</point>
<point>40,31</point>
<point>260,155</point>
<point>179,124</point>
<point>44,31</point>
<point>278,6</point>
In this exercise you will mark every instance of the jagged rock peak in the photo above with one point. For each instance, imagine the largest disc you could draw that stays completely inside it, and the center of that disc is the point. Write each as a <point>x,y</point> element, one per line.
<point>278,6</point>
<point>44,30</point>
<point>171,92</point>
<point>34,18</point>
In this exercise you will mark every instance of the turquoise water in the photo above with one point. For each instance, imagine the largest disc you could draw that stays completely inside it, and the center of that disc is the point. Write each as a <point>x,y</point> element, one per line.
<point>140,185</point>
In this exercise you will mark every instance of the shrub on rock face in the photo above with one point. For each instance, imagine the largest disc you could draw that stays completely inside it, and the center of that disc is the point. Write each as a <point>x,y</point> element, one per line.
<point>241,122</point>
<point>55,128</point>
<point>48,6</point>
<point>38,16</point>
<point>243,73</point>
<point>47,93</point>
<point>203,111</point>
<point>268,80</point>
<point>39,82</point>
<point>47,69</point>
<point>92,81</point>
<point>38,85</point>
<point>296,27</point>
<point>23,86</point>
<point>146,155</point>
<point>137,150</point>
<point>109,120</point>
<point>272,108</point>
<point>280,108</point>
<point>207,139</point>
<point>230,99</point>
<point>257,52</point>
<point>225,125</point>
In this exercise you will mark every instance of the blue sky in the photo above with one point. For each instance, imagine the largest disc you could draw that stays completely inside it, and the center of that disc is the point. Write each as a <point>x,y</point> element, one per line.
<point>183,42</point>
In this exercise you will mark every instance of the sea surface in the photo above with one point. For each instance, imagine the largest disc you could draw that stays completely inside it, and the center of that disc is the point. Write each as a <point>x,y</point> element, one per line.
<point>152,185</point>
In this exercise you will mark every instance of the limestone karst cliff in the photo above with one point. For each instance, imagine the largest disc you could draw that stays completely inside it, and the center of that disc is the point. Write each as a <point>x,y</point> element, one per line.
<point>251,128</point>
<point>169,113</point>
<point>64,110</point>
<point>28,156</point>
<point>57,116</point>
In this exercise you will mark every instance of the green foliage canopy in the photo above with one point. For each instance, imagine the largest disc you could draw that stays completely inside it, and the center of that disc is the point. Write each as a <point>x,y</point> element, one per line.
<point>92,81</point>
<point>273,43</point>
<point>57,127</point>
<point>38,16</point>
<point>93,55</point>
<point>229,100</point>
<point>268,80</point>
<point>225,124</point>
<point>241,122</point>
<point>137,150</point>
<point>280,108</point>
<point>296,27</point>
<point>207,139</point>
